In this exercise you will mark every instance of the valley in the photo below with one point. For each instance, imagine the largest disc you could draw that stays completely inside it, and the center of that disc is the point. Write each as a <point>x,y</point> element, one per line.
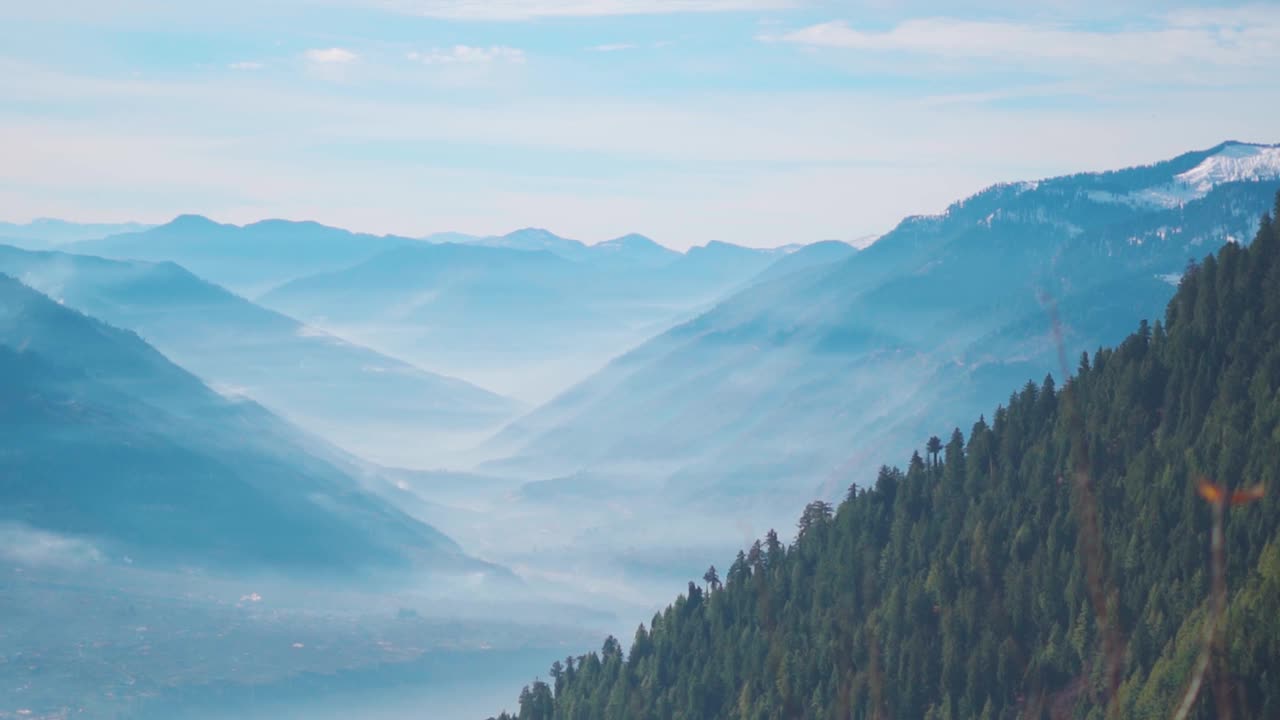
<point>639,360</point>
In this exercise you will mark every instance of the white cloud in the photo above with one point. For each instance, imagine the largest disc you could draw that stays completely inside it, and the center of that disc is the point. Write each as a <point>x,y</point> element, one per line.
<point>468,55</point>
<point>1193,40</point>
<point>853,162</point>
<point>331,56</point>
<point>496,10</point>
<point>613,47</point>
<point>246,65</point>
<point>30,546</point>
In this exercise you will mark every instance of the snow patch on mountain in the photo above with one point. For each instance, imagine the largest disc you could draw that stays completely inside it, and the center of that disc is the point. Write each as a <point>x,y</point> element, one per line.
<point>1234,162</point>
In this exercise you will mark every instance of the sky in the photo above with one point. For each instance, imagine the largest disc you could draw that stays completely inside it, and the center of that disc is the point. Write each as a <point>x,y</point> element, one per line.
<point>760,122</point>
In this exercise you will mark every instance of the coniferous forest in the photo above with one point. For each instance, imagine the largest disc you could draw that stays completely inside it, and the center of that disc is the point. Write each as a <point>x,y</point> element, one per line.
<point>1053,560</point>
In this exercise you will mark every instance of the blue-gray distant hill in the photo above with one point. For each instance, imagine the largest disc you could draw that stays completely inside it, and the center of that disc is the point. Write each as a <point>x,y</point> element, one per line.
<point>44,233</point>
<point>806,257</point>
<point>371,404</point>
<point>789,384</point>
<point>524,313</point>
<point>248,259</point>
<point>107,441</point>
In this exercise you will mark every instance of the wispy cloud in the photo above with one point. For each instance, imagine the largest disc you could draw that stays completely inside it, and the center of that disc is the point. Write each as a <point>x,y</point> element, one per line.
<point>613,47</point>
<point>1243,38</point>
<point>385,143</point>
<point>468,55</point>
<point>246,65</point>
<point>29,546</point>
<point>499,10</point>
<point>331,56</point>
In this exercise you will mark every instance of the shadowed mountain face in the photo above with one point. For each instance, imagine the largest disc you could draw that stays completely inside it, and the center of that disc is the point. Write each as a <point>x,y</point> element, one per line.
<point>379,407</point>
<point>790,382</point>
<point>248,259</point>
<point>526,313</point>
<point>108,442</point>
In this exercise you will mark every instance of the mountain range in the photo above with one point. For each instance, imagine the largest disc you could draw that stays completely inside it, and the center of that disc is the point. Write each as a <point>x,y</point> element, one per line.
<point>376,406</point>
<point>247,259</point>
<point>524,314</point>
<point>43,233</point>
<point>784,386</point>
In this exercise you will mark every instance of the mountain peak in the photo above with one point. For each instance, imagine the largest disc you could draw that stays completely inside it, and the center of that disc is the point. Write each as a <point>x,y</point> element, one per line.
<point>1233,161</point>
<point>720,246</point>
<point>281,223</point>
<point>533,232</point>
<point>191,221</point>
<point>631,240</point>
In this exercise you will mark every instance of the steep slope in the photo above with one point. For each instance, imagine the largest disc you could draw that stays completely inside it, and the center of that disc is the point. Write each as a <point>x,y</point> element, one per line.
<point>524,322</point>
<point>107,440</point>
<point>376,406</point>
<point>788,383</point>
<point>1054,564</point>
<point>249,259</point>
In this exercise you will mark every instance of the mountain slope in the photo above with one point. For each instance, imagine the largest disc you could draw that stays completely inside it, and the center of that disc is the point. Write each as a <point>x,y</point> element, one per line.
<point>786,384</point>
<point>107,440</point>
<point>961,587</point>
<point>381,408</point>
<point>249,259</point>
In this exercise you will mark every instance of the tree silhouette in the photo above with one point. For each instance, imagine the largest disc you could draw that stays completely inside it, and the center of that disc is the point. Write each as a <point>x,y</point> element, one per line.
<point>712,579</point>
<point>932,449</point>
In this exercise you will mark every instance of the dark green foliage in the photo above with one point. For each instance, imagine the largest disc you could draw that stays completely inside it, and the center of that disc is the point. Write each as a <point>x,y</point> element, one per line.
<point>957,589</point>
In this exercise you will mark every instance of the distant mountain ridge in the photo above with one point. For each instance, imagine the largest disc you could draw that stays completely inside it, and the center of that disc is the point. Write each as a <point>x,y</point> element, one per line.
<point>518,313</point>
<point>633,249</point>
<point>254,258</point>
<point>248,259</point>
<point>51,232</point>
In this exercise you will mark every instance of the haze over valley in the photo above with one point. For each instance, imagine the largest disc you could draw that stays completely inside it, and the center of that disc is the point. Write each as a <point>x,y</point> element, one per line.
<point>398,360</point>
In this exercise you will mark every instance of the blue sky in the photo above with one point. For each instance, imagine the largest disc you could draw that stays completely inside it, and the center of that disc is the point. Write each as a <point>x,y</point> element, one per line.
<point>761,122</point>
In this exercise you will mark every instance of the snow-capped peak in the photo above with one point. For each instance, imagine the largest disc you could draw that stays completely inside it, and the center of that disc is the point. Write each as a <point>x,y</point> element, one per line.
<point>1234,163</point>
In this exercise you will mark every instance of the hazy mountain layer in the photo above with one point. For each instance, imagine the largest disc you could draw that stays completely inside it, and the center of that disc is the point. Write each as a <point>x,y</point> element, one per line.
<point>110,444</point>
<point>248,259</point>
<point>525,314</point>
<point>48,232</point>
<point>374,405</point>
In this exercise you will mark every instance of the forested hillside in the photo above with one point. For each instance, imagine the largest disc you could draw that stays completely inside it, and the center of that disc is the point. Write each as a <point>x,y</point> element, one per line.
<point>1011,569</point>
